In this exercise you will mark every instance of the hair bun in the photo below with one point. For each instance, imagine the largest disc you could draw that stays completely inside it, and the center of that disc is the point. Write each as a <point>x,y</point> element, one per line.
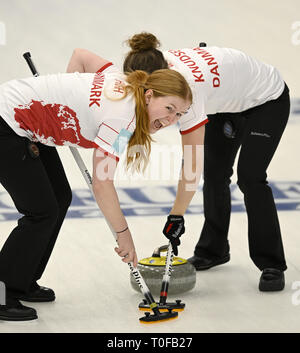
<point>143,41</point>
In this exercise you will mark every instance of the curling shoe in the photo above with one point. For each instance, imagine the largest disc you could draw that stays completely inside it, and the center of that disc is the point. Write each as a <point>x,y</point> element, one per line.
<point>37,294</point>
<point>13,310</point>
<point>203,263</point>
<point>271,280</point>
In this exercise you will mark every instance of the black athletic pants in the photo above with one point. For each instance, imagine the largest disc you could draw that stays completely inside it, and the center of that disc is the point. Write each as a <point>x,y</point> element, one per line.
<point>258,132</point>
<point>41,192</point>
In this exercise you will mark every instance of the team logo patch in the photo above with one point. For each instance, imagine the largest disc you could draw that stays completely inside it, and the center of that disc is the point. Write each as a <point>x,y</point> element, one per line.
<point>53,123</point>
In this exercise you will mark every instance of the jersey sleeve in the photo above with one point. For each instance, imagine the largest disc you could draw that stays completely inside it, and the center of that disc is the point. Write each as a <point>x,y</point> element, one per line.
<point>113,137</point>
<point>195,117</point>
<point>108,68</point>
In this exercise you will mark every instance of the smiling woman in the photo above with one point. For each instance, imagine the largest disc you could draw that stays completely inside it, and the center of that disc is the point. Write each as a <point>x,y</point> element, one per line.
<point>166,111</point>
<point>162,97</point>
<point>93,105</point>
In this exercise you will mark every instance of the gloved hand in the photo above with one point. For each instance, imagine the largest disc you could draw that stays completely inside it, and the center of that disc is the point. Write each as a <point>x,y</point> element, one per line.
<point>173,230</point>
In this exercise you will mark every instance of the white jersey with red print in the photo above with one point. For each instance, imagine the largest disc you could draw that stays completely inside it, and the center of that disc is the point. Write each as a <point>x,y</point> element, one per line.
<point>71,109</point>
<point>223,80</point>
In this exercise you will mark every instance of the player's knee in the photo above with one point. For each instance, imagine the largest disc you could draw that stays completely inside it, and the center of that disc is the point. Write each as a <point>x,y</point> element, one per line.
<point>65,199</point>
<point>47,215</point>
<point>217,180</point>
<point>247,184</point>
<point>216,175</point>
<point>50,214</point>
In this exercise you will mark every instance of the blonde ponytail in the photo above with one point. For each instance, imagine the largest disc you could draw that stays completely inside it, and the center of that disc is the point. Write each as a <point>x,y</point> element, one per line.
<point>139,145</point>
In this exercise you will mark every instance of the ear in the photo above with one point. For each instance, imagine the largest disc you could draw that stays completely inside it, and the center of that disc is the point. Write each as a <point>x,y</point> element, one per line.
<point>148,95</point>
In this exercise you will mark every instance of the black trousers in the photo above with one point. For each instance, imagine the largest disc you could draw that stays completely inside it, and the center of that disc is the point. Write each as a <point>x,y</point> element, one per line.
<point>41,193</point>
<point>257,132</point>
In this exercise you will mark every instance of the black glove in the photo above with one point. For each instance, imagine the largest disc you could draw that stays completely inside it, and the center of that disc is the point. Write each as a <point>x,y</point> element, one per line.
<point>173,230</point>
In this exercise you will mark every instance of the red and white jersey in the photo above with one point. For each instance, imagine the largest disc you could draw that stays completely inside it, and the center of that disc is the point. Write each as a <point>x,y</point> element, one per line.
<point>74,109</point>
<point>223,80</point>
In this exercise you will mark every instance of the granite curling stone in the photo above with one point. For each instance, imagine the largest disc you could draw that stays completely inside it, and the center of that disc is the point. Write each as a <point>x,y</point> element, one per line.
<point>183,276</point>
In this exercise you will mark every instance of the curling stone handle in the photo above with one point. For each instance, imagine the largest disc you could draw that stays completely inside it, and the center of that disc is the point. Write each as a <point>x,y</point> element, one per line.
<point>157,251</point>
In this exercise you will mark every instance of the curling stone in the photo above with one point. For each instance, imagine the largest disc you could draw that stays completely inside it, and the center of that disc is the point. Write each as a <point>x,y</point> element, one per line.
<point>183,277</point>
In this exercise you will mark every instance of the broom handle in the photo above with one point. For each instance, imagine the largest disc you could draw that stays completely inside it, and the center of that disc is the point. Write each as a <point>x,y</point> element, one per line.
<point>166,276</point>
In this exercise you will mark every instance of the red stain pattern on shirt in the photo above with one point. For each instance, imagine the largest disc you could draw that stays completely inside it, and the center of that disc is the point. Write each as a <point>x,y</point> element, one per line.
<point>51,122</point>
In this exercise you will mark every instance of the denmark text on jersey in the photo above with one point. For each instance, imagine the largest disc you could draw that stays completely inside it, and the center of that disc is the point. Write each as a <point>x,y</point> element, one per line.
<point>96,89</point>
<point>197,73</point>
